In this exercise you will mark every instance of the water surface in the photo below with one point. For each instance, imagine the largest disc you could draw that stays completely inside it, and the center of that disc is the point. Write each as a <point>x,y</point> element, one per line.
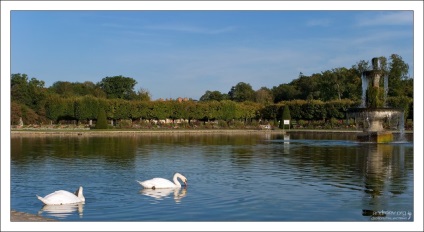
<point>252,177</point>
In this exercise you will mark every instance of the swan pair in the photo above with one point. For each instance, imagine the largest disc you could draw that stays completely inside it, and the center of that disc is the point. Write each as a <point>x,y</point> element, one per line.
<point>63,197</point>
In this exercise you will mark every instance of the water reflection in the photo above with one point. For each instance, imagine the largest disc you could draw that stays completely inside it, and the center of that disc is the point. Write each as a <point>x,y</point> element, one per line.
<point>384,179</point>
<point>62,211</point>
<point>286,147</point>
<point>295,177</point>
<point>160,194</point>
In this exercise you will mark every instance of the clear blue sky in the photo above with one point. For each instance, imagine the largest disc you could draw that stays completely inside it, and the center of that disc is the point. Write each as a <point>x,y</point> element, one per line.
<point>184,53</point>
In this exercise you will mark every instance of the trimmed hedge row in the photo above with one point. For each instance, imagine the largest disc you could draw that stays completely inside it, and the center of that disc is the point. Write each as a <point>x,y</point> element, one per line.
<point>87,108</point>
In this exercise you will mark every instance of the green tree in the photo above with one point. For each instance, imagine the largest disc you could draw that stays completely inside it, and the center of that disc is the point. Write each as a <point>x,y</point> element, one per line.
<point>143,95</point>
<point>19,89</point>
<point>398,71</point>
<point>264,96</point>
<point>86,107</point>
<point>286,116</point>
<point>69,89</point>
<point>101,120</point>
<point>242,92</point>
<point>212,96</point>
<point>284,92</point>
<point>227,110</point>
<point>118,87</point>
<point>307,87</point>
<point>28,92</point>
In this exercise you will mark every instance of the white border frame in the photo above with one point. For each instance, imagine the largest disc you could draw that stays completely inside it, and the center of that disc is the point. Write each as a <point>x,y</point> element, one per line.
<point>7,6</point>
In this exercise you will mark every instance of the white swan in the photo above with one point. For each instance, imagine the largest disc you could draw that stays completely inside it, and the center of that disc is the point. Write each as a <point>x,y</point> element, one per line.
<point>63,197</point>
<point>157,183</point>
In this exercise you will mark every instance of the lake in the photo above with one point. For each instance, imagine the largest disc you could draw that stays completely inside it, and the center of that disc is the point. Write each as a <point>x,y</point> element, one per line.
<point>259,177</point>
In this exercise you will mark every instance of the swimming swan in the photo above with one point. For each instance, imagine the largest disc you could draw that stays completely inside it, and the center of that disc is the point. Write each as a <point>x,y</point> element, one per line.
<point>63,197</point>
<point>157,183</point>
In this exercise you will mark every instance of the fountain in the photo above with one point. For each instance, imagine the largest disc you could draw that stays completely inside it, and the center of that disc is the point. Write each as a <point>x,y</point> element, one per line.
<point>377,120</point>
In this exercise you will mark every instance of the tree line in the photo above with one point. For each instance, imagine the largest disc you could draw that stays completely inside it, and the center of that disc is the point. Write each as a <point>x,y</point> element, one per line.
<point>321,96</point>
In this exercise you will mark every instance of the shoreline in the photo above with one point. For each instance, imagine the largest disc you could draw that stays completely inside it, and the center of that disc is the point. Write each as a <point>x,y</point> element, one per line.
<point>16,216</point>
<point>80,132</point>
<point>40,132</point>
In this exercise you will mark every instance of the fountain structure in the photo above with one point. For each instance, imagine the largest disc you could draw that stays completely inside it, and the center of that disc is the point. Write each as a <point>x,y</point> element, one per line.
<point>378,121</point>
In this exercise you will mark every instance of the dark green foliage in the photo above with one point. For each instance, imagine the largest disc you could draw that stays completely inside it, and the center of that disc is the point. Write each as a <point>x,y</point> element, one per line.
<point>286,113</point>
<point>118,87</point>
<point>264,96</point>
<point>404,103</point>
<point>28,92</point>
<point>374,97</point>
<point>74,89</point>
<point>101,120</point>
<point>242,92</point>
<point>286,116</point>
<point>213,96</point>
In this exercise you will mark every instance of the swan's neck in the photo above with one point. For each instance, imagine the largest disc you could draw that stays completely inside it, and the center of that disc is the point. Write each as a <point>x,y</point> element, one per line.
<point>79,194</point>
<point>176,182</point>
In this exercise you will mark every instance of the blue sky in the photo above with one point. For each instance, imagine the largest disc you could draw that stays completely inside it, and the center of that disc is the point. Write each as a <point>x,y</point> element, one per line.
<point>184,53</point>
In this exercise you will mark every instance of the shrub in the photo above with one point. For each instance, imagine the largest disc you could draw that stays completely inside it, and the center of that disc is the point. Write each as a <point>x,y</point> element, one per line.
<point>101,120</point>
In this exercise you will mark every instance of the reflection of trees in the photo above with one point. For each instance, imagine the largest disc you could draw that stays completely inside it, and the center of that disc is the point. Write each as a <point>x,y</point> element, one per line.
<point>115,150</point>
<point>242,155</point>
<point>379,168</point>
<point>322,136</point>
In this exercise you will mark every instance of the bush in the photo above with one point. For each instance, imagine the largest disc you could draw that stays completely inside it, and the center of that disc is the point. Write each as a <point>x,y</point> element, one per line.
<point>101,120</point>
<point>286,116</point>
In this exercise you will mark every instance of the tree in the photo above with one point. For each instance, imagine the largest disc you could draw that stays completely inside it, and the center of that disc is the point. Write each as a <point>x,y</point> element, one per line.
<point>286,116</point>
<point>264,96</point>
<point>143,95</point>
<point>28,92</point>
<point>212,96</point>
<point>398,71</point>
<point>306,86</point>
<point>284,92</point>
<point>242,92</point>
<point>19,89</point>
<point>118,87</point>
<point>101,120</point>
<point>63,88</point>
<point>70,89</point>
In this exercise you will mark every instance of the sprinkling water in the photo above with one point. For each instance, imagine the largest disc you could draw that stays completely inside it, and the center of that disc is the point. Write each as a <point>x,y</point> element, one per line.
<point>386,89</point>
<point>364,89</point>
